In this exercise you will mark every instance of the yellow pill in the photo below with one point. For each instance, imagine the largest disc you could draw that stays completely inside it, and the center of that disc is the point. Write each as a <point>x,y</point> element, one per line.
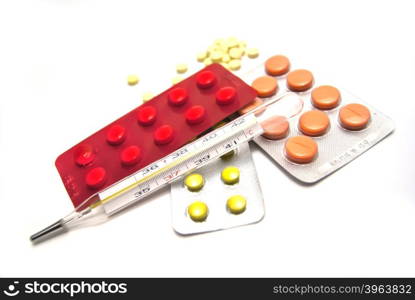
<point>197,211</point>
<point>232,42</point>
<point>194,182</point>
<point>132,79</point>
<point>201,56</point>
<point>216,56</point>
<point>176,80</point>
<point>235,64</point>
<point>230,175</point>
<point>225,65</point>
<point>147,97</point>
<point>252,52</point>
<point>226,58</point>
<point>207,61</point>
<point>236,204</point>
<point>228,155</point>
<point>181,68</point>
<point>235,53</point>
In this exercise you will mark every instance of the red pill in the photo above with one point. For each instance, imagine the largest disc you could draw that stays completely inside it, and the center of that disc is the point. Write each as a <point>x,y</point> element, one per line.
<point>195,114</point>
<point>205,79</point>
<point>163,135</point>
<point>96,177</point>
<point>116,135</point>
<point>131,155</point>
<point>225,95</point>
<point>84,155</point>
<point>146,115</point>
<point>177,96</point>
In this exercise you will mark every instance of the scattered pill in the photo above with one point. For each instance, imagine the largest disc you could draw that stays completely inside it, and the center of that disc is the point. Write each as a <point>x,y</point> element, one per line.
<point>235,53</point>
<point>234,64</point>
<point>252,52</point>
<point>314,123</point>
<point>275,127</point>
<point>176,80</point>
<point>132,79</point>
<point>96,177</point>
<point>301,149</point>
<point>163,135</point>
<point>354,116</point>
<point>230,175</point>
<point>207,61</point>
<point>232,42</point>
<point>251,106</point>
<point>216,56</point>
<point>236,204</point>
<point>181,68</point>
<point>198,211</point>
<point>116,134</point>
<point>201,56</point>
<point>325,97</point>
<point>147,97</point>
<point>130,155</point>
<point>265,86</point>
<point>300,80</point>
<point>194,182</point>
<point>277,65</point>
<point>226,58</point>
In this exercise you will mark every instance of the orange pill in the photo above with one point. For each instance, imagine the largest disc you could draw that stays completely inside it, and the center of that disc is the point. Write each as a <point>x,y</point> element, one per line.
<point>300,80</point>
<point>325,97</point>
<point>354,116</point>
<point>251,106</point>
<point>301,149</point>
<point>277,65</point>
<point>275,128</point>
<point>314,123</point>
<point>265,86</point>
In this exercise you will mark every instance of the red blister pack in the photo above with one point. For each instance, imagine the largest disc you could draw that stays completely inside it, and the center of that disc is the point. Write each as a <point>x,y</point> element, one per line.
<point>151,131</point>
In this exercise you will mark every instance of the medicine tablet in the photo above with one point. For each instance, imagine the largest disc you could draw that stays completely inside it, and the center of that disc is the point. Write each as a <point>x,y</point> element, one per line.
<point>225,95</point>
<point>275,127</point>
<point>195,114</point>
<point>201,56</point>
<point>235,53</point>
<point>84,155</point>
<point>301,149</point>
<point>230,175</point>
<point>147,97</point>
<point>216,56</point>
<point>325,97</point>
<point>252,52</point>
<point>130,155</point>
<point>146,115</point>
<point>251,106</point>
<point>265,86</point>
<point>96,177</point>
<point>277,65</point>
<point>181,68</point>
<point>205,79</point>
<point>207,61</point>
<point>177,96</point>
<point>116,134</point>
<point>226,58</point>
<point>300,80</point>
<point>236,204</point>
<point>194,182</point>
<point>234,64</point>
<point>163,135</point>
<point>132,79</point>
<point>198,211</point>
<point>314,123</point>
<point>232,42</point>
<point>354,116</point>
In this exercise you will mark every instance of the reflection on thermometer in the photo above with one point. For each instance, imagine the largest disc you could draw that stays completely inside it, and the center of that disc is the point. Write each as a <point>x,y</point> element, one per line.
<point>180,162</point>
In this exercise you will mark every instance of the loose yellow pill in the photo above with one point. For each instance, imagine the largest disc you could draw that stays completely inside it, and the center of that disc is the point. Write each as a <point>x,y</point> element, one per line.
<point>235,53</point>
<point>176,80</point>
<point>201,56</point>
<point>207,61</point>
<point>228,155</point>
<point>230,175</point>
<point>132,79</point>
<point>232,42</point>
<point>252,52</point>
<point>216,56</point>
<point>236,204</point>
<point>234,64</point>
<point>181,68</point>
<point>197,211</point>
<point>194,182</point>
<point>226,58</point>
<point>147,97</point>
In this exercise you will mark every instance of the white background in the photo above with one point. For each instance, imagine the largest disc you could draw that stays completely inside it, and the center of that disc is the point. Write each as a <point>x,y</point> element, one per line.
<point>63,68</point>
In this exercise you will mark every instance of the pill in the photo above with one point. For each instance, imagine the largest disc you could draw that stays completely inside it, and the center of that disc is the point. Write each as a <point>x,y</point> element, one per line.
<point>207,61</point>
<point>181,68</point>
<point>354,116</point>
<point>275,127</point>
<point>201,56</point>
<point>300,80</point>
<point>232,42</point>
<point>277,65</point>
<point>265,86</point>
<point>235,53</point>
<point>234,64</point>
<point>194,182</point>
<point>225,95</point>
<point>177,96</point>
<point>195,114</point>
<point>132,79</point>
<point>84,155</point>
<point>325,97</point>
<point>226,58</point>
<point>116,134</point>
<point>230,175</point>
<point>314,123</point>
<point>236,204</point>
<point>251,106</point>
<point>198,211</point>
<point>301,149</point>
<point>252,52</point>
<point>147,97</point>
<point>225,65</point>
<point>96,177</point>
<point>146,115</point>
<point>228,155</point>
<point>176,79</point>
<point>130,155</point>
<point>216,56</point>
<point>205,79</point>
<point>163,135</point>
